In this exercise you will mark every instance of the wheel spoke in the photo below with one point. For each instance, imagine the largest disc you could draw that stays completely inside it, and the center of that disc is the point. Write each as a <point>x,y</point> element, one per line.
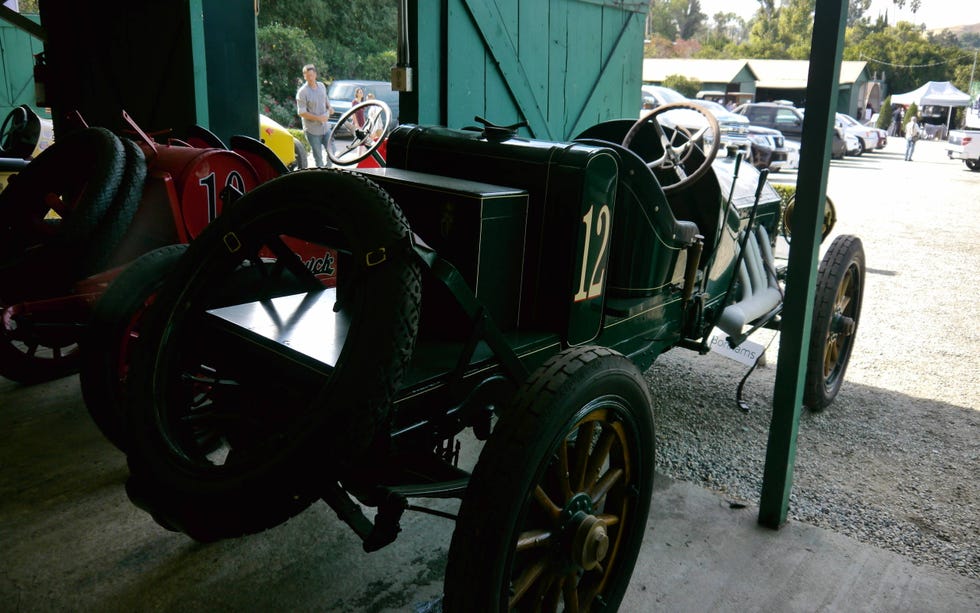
<point>530,539</point>
<point>546,503</point>
<point>699,134</point>
<point>570,593</point>
<point>56,204</point>
<point>553,594</point>
<point>523,583</point>
<point>600,455</point>
<point>563,477</point>
<point>605,484</point>
<point>583,444</point>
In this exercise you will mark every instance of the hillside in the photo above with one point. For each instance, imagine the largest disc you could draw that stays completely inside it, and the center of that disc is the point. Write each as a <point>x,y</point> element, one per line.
<point>959,30</point>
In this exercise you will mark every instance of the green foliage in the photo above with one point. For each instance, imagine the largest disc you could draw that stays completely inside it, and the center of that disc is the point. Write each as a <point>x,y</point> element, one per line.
<point>300,135</point>
<point>906,54</point>
<point>283,111</point>
<point>282,52</point>
<point>782,33</point>
<point>352,36</point>
<point>785,192</point>
<point>675,19</point>
<point>345,39</point>
<point>377,66</point>
<point>913,111</point>
<point>885,114</point>
<point>685,85</point>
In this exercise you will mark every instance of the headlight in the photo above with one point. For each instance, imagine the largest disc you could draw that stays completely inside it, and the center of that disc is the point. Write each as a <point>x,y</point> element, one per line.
<point>761,140</point>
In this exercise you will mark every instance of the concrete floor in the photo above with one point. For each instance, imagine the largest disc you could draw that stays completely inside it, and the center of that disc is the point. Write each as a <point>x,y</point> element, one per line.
<point>70,540</point>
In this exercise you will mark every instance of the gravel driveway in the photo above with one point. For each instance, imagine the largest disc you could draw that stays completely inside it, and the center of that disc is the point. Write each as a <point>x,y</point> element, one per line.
<point>895,462</point>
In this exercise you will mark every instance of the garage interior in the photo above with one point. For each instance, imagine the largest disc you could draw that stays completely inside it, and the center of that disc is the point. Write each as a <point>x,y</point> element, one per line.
<point>71,538</point>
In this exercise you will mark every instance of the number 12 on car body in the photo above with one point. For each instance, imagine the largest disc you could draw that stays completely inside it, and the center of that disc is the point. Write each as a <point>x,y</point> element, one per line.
<point>597,223</point>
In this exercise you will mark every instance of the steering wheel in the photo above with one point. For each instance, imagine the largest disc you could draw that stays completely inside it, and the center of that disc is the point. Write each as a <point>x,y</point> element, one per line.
<point>679,145</point>
<point>367,138</point>
<point>15,121</point>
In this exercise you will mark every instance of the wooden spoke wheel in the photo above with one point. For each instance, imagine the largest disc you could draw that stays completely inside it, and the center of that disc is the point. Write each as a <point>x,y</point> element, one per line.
<point>555,511</point>
<point>840,288</point>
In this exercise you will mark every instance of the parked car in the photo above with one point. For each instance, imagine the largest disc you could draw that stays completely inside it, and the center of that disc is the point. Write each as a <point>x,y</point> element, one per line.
<point>839,145</point>
<point>852,144</point>
<point>768,148</point>
<point>286,147</point>
<point>733,128</point>
<point>792,155</point>
<point>965,145</point>
<point>341,93</point>
<point>867,137</point>
<point>786,119</point>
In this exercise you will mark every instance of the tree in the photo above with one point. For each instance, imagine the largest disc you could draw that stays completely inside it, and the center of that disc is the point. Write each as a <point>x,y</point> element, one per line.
<point>685,85</point>
<point>351,37</point>
<point>856,10</point>
<point>907,55</point>
<point>912,112</point>
<point>675,19</point>
<point>346,40</point>
<point>885,114</point>
<point>282,52</point>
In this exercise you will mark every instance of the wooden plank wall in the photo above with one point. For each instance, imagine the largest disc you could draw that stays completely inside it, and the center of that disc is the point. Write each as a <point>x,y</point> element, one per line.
<point>562,65</point>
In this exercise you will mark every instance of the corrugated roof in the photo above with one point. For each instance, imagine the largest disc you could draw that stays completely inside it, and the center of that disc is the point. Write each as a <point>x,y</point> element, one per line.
<point>792,74</point>
<point>706,71</point>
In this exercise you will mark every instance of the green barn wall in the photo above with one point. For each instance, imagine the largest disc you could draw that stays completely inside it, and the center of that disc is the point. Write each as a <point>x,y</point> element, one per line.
<point>168,64</point>
<point>17,51</point>
<point>561,65</point>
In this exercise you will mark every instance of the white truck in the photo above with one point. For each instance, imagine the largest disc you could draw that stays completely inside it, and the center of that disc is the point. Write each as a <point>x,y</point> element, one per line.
<point>965,145</point>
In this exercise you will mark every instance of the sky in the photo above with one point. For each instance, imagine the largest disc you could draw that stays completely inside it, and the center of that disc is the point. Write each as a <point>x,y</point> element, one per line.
<point>934,13</point>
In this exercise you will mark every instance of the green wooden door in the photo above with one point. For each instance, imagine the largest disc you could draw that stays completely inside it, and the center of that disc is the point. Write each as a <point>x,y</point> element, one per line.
<point>17,50</point>
<point>560,65</point>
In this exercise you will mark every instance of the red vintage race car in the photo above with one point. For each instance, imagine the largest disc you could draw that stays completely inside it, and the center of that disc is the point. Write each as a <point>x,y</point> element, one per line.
<point>74,217</point>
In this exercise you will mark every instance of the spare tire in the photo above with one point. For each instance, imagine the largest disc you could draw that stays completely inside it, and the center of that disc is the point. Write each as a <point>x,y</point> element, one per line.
<point>76,177</point>
<point>119,216</point>
<point>229,440</point>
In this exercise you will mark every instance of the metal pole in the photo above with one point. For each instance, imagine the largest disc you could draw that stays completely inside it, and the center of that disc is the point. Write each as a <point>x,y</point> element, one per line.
<point>973,70</point>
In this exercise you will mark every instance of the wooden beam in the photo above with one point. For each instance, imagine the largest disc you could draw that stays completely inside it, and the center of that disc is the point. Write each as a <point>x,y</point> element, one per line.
<point>818,124</point>
<point>23,23</point>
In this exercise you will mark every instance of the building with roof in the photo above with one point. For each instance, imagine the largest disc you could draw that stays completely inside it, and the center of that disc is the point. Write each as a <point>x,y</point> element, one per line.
<point>727,76</point>
<point>770,79</point>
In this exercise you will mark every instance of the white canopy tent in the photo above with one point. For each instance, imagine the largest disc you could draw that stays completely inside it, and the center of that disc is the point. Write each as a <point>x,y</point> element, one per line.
<point>935,93</point>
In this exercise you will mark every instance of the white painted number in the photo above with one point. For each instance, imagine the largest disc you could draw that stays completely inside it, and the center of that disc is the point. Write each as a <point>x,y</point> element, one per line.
<point>601,229</point>
<point>233,179</point>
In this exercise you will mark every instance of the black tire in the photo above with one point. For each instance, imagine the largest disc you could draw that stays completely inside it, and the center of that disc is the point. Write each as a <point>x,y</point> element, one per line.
<point>29,358</point>
<point>110,338</point>
<point>300,151</point>
<point>191,413</point>
<point>14,122</point>
<point>586,392</point>
<point>80,174</point>
<point>119,217</point>
<point>837,311</point>
<point>973,165</point>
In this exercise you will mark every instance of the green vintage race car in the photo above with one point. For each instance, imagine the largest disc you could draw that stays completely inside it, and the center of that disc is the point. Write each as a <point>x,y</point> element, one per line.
<point>489,287</point>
